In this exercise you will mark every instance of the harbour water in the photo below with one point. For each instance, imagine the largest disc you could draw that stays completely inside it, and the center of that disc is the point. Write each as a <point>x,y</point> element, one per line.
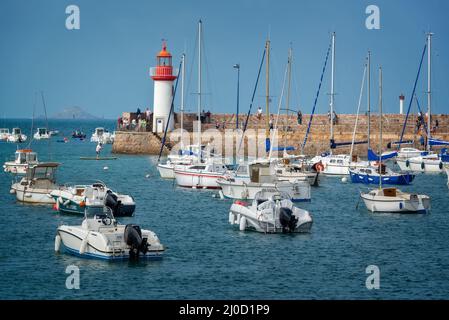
<point>206,258</point>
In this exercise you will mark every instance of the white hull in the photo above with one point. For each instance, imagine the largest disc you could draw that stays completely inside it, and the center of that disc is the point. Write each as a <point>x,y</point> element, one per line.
<point>107,244</point>
<point>447,173</point>
<point>311,177</point>
<point>166,171</point>
<point>421,164</point>
<point>15,138</point>
<point>206,180</point>
<point>16,168</point>
<point>41,136</point>
<point>32,195</point>
<point>402,203</point>
<point>298,191</point>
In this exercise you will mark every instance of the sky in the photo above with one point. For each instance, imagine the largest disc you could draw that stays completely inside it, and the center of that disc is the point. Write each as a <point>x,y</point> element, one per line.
<point>104,66</point>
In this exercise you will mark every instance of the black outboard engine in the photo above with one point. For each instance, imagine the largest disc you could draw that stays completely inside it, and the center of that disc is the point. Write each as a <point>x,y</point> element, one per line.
<point>112,202</point>
<point>288,220</point>
<point>133,238</point>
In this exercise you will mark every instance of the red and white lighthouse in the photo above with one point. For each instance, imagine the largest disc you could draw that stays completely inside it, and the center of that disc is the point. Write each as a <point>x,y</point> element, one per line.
<point>401,104</point>
<point>163,76</point>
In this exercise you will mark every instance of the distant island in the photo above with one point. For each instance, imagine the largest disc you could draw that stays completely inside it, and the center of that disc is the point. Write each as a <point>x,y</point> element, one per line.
<point>73,113</point>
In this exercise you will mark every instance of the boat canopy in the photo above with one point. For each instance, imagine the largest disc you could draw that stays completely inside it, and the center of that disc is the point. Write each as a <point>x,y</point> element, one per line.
<point>438,142</point>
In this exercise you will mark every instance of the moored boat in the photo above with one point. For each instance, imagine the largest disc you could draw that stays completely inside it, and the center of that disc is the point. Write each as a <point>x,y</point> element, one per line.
<point>23,159</point>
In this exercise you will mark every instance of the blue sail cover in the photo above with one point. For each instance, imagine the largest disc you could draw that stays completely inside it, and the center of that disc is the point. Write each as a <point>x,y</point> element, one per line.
<point>372,156</point>
<point>437,142</point>
<point>289,148</point>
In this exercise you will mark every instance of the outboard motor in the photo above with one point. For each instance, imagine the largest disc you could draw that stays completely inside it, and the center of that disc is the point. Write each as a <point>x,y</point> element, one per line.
<point>112,202</point>
<point>133,238</point>
<point>288,220</point>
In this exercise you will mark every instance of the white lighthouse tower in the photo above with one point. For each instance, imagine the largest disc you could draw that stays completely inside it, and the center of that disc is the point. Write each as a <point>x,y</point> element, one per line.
<point>163,76</point>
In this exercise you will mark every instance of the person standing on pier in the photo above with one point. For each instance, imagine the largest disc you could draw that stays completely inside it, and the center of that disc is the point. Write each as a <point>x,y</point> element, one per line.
<point>299,117</point>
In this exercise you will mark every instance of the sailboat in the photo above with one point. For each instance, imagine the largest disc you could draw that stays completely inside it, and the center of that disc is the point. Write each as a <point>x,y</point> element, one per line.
<point>411,159</point>
<point>197,174</point>
<point>328,163</point>
<point>392,199</point>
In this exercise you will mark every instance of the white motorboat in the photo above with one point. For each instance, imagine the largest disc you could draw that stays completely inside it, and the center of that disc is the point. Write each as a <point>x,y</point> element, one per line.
<point>186,156</point>
<point>446,168</point>
<point>394,200</point>
<point>75,198</point>
<point>102,135</point>
<point>4,134</point>
<point>23,159</point>
<point>17,136</point>
<point>37,185</point>
<point>336,164</point>
<point>200,175</point>
<point>293,172</point>
<point>42,133</point>
<point>262,178</point>
<point>100,236</point>
<point>270,213</point>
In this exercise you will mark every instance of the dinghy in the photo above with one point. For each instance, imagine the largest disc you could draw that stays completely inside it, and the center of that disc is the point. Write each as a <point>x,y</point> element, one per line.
<point>270,212</point>
<point>100,236</point>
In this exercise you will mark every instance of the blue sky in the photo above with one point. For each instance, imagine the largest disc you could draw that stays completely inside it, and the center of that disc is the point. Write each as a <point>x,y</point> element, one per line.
<point>103,67</point>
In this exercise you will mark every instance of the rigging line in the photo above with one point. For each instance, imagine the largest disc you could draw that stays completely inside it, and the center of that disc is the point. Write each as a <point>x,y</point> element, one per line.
<point>358,111</point>
<point>172,107</point>
<point>189,80</point>
<point>413,93</point>
<point>46,123</point>
<point>32,120</point>
<point>316,99</point>
<point>420,110</point>
<point>252,101</point>
<point>209,80</point>
<point>279,110</point>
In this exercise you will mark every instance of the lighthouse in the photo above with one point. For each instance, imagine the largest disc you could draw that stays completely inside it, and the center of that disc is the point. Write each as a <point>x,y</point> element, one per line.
<point>163,76</point>
<point>401,104</point>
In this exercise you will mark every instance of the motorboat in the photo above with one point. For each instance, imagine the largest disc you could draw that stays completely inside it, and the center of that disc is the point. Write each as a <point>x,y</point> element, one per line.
<point>262,178</point>
<point>371,175</point>
<point>100,236</point>
<point>184,157</point>
<point>37,184</point>
<point>78,134</point>
<point>102,135</point>
<point>294,171</point>
<point>335,164</point>
<point>200,175</point>
<point>394,200</point>
<point>270,213</point>
<point>17,136</point>
<point>42,133</point>
<point>23,159</point>
<point>4,134</point>
<point>75,198</point>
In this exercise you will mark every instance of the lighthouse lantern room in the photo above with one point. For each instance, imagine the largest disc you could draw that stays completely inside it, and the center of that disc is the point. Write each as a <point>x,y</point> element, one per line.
<point>163,75</point>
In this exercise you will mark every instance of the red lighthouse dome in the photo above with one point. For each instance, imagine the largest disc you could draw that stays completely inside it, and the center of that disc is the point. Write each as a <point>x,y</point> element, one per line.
<point>164,69</point>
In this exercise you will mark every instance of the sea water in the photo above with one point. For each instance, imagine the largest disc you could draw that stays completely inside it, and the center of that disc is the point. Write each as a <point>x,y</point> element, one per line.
<point>206,258</point>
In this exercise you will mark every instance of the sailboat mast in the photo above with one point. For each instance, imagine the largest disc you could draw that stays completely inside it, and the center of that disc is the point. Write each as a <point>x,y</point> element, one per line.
<point>183,70</point>
<point>267,130</point>
<point>332,87</point>
<point>369,99</point>
<point>380,128</point>
<point>287,103</point>
<point>429,83</point>
<point>199,84</point>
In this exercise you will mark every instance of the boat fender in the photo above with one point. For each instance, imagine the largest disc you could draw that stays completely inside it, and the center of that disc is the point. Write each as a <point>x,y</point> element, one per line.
<point>423,165</point>
<point>407,163</point>
<point>231,218</point>
<point>12,191</point>
<point>84,244</point>
<point>400,205</point>
<point>440,165</point>
<point>82,204</point>
<point>242,225</point>
<point>57,243</point>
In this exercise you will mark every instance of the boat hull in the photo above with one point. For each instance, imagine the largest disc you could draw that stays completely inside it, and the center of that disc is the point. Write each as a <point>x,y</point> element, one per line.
<point>396,205</point>
<point>419,164</point>
<point>403,179</point>
<point>15,168</point>
<point>197,180</point>
<point>166,171</point>
<point>32,195</point>
<point>299,191</point>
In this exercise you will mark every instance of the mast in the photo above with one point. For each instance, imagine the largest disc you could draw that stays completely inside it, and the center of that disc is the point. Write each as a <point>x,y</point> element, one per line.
<point>429,91</point>
<point>267,130</point>
<point>199,85</point>
<point>332,86</point>
<point>287,103</point>
<point>380,126</point>
<point>182,96</point>
<point>369,98</point>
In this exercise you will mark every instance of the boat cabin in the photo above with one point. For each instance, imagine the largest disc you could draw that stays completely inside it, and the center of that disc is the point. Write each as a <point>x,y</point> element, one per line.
<point>16,131</point>
<point>42,171</point>
<point>42,131</point>
<point>260,172</point>
<point>25,156</point>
